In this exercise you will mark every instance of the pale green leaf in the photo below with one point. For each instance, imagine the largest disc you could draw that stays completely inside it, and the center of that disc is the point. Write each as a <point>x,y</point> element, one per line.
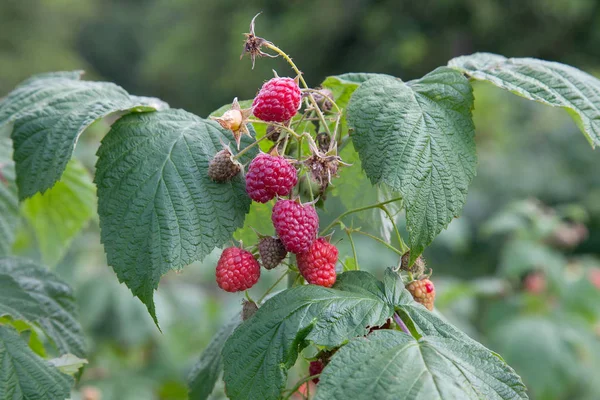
<point>207,370</point>
<point>418,138</point>
<point>58,215</point>
<point>24,375</point>
<point>68,364</point>
<point>547,82</point>
<point>43,299</point>
<point>261,350</point>
<point>158,208</point>
<point>389,364</point>
<point>567,352</point>
<point>48,113</point>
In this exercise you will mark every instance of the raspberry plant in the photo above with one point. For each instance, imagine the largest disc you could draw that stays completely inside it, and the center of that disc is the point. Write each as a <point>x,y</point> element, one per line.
<point>172,187</point>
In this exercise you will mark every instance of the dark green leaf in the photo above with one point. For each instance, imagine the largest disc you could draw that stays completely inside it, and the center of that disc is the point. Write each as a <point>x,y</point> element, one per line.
<point>418,138</point>
<point>9,203</point>
<point>26,376</point>
<point>205,373</point>
<point>550,83</point>
<point>158,208</point>
<point>393,365</point>
<point>48,113</point>
<point>54,309</point>
<point>262,349</point>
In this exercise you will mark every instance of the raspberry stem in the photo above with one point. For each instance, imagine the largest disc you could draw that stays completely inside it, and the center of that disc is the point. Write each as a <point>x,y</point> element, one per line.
<point>401,324</point>
<point>245,149</point>
<point>297,71</point>
<point>269,290</point>
<point>403,246</point>
<point>389,246</point>
<point>355,210</point>
<point>349,233</point>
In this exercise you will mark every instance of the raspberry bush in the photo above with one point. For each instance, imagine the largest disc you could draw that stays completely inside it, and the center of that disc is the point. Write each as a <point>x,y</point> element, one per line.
<point>173,187</point>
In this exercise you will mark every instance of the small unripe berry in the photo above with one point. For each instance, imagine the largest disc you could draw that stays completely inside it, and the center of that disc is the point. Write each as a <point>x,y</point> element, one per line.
<point>223,167</point>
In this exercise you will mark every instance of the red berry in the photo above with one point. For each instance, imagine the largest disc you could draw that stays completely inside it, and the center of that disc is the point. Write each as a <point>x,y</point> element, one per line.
<point>269,176</point>
<point>535,282</point>
<point>271,252</point>
<point>315,368</point>
<point>278,100</point>
<point>237,270</point>
<point>295,224</point>
<point>423,292</point>
<point>317,265</point>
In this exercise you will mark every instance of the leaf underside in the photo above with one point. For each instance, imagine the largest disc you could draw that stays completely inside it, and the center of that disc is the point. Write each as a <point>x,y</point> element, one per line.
<point>207,370</point>
<point>24,375</point>
<point>33,294</point>
<point>418,138</point>
<point>158,208</point>
<point>9,202</point>
<point>547,82</point>
<point>48,113</point>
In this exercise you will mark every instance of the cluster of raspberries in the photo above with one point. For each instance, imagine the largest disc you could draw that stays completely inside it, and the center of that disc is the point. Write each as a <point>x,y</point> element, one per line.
<point>272,176</point>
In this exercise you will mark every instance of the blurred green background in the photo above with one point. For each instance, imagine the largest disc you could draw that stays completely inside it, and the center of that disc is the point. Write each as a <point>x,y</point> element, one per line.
<point>519,271</point>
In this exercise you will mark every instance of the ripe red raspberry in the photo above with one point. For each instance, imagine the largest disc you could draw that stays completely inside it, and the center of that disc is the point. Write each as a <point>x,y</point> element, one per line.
<point>278,100</point>
<point>423,292</point>
<point>237,270</point>
<point>315,368</point>
<point>296,225</point>
<point>317,265</point>
<point>223,167</point>
<point>269,176</point>
<point>271,251</point>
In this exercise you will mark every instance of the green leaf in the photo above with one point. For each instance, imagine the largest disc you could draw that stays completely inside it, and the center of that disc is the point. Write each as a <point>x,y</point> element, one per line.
<point>550,83</point>
<point>9,203</point>
<point>59,214</point>
<point>26,376</point>
<point>15,302</point>
<point>48,113</point>
<point>68,364</point>
<point>36,295</point>
<point>261,350</point>
<point>158,208</point>
<point>205,373</point>
<point>418,138</point>
<point>344,85</point>
<point>390,364</point>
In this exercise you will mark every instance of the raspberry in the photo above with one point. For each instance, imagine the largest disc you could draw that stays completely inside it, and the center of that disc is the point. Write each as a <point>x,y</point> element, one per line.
<point>317,265</point>
<point>237,270</point>
<point>223,167</point>
<point>295,224</point>
<point>271,252</point>
<point>278,100</point>
<point>269,176</point>
<point>315,368</point>
<point>535,282</point>
<point>423,292</point>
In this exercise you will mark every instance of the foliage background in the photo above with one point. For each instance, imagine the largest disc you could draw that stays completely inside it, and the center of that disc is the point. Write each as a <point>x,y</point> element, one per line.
<point>187,53</point>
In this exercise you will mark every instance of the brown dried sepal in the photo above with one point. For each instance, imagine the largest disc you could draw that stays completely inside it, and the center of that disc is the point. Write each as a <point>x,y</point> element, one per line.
<point>417,268</point>
<point>253,44</point>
